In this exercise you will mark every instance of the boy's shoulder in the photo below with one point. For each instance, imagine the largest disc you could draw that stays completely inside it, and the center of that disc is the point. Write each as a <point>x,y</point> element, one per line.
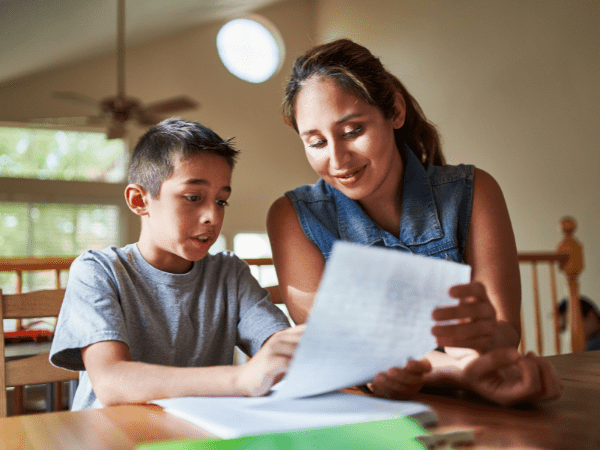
<point>108,256</point>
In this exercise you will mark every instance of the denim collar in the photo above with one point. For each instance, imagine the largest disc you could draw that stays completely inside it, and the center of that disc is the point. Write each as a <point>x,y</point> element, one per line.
<point>419,223</point>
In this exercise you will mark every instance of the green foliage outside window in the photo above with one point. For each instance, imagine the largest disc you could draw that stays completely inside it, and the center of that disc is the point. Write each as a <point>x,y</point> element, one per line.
<point>61,155</point>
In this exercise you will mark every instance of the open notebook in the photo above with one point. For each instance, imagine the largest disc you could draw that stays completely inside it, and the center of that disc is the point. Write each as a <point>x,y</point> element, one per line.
<point>372,312</point>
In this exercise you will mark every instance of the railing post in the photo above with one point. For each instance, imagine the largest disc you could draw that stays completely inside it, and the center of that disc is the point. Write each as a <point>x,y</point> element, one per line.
<point>572,266</point>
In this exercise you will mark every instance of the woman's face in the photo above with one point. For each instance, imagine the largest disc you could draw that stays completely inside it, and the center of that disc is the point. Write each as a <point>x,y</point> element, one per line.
<point>348,142</point>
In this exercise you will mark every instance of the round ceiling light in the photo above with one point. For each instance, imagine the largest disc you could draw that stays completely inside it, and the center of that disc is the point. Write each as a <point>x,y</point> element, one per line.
<point>251,50</point>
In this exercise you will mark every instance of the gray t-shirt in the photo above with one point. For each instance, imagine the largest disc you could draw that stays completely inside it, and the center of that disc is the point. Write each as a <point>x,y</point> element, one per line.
<point>186,320</point>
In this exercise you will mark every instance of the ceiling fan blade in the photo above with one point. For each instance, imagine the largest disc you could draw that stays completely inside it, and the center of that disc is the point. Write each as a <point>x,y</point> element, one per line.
<point>76,97</point>
<point>171,105</point>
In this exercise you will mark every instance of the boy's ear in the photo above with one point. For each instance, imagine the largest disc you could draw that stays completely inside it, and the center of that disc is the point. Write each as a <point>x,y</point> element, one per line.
<point>400,111</point>
<point>136,196</point>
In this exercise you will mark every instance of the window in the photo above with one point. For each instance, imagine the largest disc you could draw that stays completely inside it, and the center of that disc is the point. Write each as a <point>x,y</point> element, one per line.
<point>44,154</point>
<point>251,49</point>
<point>218,246</point>
<point>61,192</point>
<point>256,245</point>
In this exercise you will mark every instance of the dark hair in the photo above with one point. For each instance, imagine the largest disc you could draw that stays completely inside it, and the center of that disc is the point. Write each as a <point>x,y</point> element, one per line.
<point>354,69</point>
<point>153,156</point>
<point>586,306</point>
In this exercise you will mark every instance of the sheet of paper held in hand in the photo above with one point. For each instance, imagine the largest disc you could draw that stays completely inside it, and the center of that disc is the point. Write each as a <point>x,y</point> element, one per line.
<point>372,312</point>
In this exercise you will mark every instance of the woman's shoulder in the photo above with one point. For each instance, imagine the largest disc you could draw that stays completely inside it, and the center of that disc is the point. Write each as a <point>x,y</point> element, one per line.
<point>450,173</point>
<point>320,191</point>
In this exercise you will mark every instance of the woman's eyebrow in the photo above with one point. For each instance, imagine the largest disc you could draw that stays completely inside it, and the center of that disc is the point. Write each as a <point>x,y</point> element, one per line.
<point>339,121</point>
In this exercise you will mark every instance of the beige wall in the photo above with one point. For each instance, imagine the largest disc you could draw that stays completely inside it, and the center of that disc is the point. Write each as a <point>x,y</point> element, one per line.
<point>512,85</point>
<point>514,88</point>
<point>272,160</point>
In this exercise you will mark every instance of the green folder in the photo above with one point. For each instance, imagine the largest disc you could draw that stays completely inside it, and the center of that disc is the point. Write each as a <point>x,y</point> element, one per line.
<point>385,434</point>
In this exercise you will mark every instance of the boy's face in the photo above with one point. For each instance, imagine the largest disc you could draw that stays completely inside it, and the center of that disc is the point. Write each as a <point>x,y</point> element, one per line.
<point>185,220</point>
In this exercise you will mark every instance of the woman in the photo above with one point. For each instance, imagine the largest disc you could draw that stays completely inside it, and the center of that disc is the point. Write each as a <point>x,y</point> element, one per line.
<point>384,182</point>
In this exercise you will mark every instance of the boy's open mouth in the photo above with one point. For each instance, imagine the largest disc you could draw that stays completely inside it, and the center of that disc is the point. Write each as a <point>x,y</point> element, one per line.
<point>203,239</point>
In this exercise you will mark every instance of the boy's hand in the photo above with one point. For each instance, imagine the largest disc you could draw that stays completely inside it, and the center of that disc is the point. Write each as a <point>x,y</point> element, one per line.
<point>270,363</point>
<point>401,383</point>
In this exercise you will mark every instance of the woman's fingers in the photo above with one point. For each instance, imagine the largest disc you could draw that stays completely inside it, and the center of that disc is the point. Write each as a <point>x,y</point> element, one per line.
<point>473,289</point>
<point>473,309</point>
<point>472,322</point>
<point>477,335</point>
<point>551,386</point>
<point>504,376</point>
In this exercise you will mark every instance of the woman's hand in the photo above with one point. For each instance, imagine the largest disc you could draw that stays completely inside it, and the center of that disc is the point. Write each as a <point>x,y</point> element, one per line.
<point>505,377</point>
<point>474,323</point>
<point>401,383</point>
<point>270,363</point>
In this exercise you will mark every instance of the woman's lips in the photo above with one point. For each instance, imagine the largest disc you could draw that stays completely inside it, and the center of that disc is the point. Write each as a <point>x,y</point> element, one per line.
<point>350,178</point>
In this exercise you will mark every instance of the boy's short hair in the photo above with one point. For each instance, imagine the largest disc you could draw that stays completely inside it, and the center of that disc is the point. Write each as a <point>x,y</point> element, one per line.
<point>153,157</point>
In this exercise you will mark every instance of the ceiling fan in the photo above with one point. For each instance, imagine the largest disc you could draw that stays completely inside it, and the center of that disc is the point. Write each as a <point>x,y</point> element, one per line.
<point>120,108</point>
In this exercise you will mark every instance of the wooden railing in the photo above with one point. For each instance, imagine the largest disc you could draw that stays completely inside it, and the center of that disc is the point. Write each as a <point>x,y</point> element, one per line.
<point>568,257</point>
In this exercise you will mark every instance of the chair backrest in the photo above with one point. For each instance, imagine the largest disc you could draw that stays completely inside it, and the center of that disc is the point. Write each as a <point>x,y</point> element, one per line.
<point>568,258</point>
<point>35,264</point>
<point>33,369</point>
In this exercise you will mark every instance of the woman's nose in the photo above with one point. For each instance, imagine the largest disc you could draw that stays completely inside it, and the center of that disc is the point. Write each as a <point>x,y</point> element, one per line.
<point>339,155</point>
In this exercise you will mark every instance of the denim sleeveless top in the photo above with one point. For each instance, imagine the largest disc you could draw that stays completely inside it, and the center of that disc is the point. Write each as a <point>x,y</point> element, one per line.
<point>436,211</point>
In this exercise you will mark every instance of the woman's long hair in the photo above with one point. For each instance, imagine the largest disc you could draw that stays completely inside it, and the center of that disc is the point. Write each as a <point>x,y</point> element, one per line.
<point>354,69</point>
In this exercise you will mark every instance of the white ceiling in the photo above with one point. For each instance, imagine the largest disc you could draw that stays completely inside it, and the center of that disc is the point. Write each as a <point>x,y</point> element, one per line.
<point>40,34</point>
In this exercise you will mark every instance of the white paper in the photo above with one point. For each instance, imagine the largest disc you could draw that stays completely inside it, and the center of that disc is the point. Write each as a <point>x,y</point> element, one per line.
<point>372,312</point>
<point>230,417</point>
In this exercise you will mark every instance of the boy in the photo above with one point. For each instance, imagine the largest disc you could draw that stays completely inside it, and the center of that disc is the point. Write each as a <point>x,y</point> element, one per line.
<point>160,318</point>
<point>591,321</point>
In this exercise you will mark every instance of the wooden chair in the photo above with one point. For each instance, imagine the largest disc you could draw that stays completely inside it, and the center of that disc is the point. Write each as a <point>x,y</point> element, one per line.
<point>18,266</point>
<point>32,264</point>
<point>34,369</point>
<point>568,258</point>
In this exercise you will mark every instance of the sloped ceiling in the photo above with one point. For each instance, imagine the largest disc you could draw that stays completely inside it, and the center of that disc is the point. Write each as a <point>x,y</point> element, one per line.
<point>40,34</point>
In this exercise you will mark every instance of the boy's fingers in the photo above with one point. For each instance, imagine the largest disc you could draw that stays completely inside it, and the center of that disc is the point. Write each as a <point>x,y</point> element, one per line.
<point>398,378</point>
<point>417,366</point>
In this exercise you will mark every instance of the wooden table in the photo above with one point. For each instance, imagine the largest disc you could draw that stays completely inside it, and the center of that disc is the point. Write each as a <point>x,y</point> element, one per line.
<point>572,422</point>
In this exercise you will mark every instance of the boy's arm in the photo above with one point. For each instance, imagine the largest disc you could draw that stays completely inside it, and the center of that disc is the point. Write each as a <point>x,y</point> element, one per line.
<point>116,379</point>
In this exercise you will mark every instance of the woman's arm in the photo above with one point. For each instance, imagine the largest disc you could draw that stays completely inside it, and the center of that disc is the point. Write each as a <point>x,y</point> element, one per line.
<point>116,379</point>
<point>495,279</point>
<point>492,253</point>
<point>298,261</point>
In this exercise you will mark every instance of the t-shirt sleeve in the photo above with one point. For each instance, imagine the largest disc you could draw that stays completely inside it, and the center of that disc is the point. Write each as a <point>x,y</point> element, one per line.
<point>90,312</point>
<point>258,317</point>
